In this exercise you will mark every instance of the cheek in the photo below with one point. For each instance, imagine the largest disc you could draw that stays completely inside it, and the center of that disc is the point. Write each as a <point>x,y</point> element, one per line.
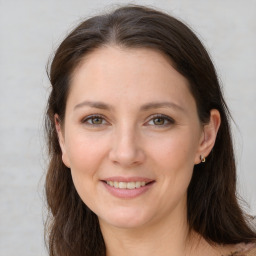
<point>174,162</point>
<point>85,152</point>
<point>86,157</point>
<point>171,159</point>
<point>175,150</point>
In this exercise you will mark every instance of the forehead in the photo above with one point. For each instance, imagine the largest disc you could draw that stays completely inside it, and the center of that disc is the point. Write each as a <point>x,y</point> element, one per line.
<point>125,58</point>
<point>130,74</point>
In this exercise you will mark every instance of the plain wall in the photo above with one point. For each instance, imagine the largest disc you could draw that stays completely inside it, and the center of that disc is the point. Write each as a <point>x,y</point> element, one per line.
<point>31,30</point>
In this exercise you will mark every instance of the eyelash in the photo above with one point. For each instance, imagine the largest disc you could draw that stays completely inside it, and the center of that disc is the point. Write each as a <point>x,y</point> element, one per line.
<point>91,117</point>
<point>167,120</point>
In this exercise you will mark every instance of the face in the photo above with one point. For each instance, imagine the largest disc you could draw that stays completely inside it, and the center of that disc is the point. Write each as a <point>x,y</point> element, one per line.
<point>131,136</point>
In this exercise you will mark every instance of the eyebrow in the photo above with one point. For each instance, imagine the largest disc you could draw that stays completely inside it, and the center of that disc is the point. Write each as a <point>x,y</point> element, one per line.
<point>93,104</point>
<point>148,106</point>
<point>167,104</point>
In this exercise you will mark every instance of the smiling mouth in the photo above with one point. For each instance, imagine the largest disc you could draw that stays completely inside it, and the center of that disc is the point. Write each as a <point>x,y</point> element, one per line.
<point>127,185</point>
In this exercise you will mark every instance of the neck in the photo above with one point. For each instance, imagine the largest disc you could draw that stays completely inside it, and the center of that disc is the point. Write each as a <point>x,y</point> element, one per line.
<point>168,236</point>
<point>160,242</point>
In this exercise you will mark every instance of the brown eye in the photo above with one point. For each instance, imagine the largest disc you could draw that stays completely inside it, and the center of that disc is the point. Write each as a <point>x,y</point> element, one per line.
<point>158,121</point>
<point>96,120</point>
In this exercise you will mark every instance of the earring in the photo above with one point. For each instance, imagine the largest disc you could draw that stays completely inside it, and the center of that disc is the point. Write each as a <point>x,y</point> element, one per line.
<point>202,159</point>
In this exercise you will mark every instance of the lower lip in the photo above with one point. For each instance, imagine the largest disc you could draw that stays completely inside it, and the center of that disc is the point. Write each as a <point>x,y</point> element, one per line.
<point>127,193</point>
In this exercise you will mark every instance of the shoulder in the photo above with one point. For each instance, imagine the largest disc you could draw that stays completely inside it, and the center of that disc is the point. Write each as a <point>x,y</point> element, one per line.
<point>243,249</point>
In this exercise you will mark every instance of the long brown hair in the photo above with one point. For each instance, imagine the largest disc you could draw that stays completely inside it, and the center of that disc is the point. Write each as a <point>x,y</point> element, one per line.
<point>212,204</point>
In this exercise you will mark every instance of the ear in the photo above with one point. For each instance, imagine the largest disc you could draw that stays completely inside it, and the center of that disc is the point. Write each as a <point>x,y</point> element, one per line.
<point>209,135</point>
<point>61,138</point>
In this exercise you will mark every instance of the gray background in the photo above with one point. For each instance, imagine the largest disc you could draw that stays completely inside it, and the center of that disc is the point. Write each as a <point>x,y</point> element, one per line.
<point>31,30</point>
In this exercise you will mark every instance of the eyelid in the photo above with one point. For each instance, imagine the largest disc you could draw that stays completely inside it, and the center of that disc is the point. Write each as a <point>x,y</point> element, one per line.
<point>85,119</point>
<point>105,122</point>
<point>168,118</point>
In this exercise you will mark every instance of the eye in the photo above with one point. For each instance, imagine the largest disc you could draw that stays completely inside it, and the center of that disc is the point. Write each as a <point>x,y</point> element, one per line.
<point>94,120</point>
<point>160,120</point>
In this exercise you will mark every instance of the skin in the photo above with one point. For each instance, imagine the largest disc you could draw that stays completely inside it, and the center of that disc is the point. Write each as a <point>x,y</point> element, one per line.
<point>128,140</point>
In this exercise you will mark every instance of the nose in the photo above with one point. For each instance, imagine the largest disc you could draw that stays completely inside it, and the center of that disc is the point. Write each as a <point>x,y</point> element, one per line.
<point>126,149</point>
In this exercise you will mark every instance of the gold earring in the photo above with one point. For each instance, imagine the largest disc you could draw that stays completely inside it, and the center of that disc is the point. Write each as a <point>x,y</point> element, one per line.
<point>202,159</point>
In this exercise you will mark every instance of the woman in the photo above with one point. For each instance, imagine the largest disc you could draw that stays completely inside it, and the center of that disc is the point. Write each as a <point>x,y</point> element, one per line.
<point>141,156</point>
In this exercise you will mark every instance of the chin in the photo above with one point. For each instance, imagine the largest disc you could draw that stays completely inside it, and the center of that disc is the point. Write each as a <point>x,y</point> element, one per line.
<point>127,219</point>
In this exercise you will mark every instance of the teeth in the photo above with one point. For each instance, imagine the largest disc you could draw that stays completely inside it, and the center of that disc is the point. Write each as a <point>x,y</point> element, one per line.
<point>122,185</point>
<point>126,185</point>
<point>131,185</point>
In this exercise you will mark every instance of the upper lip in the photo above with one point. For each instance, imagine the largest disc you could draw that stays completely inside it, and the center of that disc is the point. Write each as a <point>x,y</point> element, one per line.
<point>127,179</point>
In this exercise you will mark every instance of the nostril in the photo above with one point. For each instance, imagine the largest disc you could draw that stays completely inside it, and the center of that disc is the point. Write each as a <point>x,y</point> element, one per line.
<point>126,156</point>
